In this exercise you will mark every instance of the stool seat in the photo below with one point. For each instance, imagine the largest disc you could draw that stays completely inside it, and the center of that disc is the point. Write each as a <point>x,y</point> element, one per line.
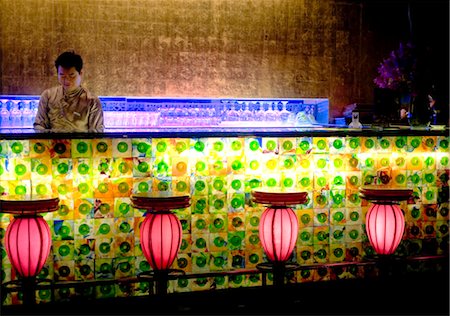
<point>28,204</point>
<point>279,198</point>
<point>384,193</point>
<point>160,201</point>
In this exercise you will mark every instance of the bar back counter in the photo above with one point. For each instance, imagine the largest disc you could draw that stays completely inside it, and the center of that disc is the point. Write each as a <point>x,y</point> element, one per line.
<point>95,232</point>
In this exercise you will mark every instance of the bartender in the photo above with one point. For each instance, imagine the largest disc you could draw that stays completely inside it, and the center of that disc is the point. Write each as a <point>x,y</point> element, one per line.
<point>69,107</point>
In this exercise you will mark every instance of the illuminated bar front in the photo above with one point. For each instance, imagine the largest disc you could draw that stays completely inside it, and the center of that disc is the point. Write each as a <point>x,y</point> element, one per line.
<point>95,232</point>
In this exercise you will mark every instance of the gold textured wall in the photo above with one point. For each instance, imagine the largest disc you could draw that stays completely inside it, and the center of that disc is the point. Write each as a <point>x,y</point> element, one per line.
<point>204,48</point>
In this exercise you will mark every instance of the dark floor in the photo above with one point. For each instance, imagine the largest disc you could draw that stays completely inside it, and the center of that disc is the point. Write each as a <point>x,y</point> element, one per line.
<point>413,294</point>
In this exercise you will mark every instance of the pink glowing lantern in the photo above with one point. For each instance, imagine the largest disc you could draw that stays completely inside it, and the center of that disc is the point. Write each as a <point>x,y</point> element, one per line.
<point>278,227</point>
<point>385,224</point>
<point>278,231</point>
<point>160,239</point>
<point>28,243</point>
<point>160,231</point>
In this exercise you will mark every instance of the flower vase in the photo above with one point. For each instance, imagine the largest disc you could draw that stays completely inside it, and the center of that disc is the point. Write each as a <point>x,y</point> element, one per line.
<point>419,116</point>
<point>403,104</point>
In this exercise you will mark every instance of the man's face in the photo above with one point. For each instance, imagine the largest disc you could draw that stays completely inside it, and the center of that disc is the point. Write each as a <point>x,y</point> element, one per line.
<point>69,78</point>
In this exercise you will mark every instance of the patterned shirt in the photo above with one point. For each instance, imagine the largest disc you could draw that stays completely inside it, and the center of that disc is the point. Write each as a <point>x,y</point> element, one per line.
<point>75,111</point>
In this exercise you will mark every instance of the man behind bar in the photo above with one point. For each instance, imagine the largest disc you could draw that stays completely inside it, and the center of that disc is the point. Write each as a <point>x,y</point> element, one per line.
<point>69,107</point>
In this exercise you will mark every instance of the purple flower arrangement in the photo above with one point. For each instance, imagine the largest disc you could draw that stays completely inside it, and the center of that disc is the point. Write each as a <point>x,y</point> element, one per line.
<point>397,71</point>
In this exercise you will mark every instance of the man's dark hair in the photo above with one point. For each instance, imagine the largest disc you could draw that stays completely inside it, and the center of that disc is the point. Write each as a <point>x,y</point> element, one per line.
<point>68,60</point>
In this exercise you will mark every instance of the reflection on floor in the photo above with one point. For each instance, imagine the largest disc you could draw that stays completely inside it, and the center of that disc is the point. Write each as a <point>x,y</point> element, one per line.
<point>411,294</point>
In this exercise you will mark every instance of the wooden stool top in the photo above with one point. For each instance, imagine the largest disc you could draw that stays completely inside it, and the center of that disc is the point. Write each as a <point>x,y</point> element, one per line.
<point>160,201</point>
<point>384,193</point>
<point>278,197</point>
<point>28,204</point>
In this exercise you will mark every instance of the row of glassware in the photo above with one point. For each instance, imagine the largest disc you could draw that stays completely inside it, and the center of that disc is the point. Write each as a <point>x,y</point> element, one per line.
<point>21,114</point>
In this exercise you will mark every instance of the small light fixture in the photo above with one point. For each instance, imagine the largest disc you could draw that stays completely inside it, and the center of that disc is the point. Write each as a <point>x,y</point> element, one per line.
<point>278,229</point>
<point>28,239</point>
<point>385,224</point>
<point>160,238</point>
<point>160,232</point>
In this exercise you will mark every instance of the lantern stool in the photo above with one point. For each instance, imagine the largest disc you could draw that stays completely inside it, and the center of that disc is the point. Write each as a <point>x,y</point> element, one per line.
<point>278,230</point>
<point>385,222</point>
<point>160,233</point>
<point>28,238</point>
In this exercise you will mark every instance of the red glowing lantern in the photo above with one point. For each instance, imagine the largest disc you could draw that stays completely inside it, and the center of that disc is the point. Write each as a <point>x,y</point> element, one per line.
<point>278,231</point>
<point>160,239</point>
<point>28,243</point>
<point>385,224</point>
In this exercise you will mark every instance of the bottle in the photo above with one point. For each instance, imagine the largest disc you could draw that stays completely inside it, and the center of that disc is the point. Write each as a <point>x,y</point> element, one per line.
<point>338,234</point>
<point>103,188</point>
<point>104,229</point>
<point>27,115</point>
<point>384,143</point>
<point>142,147</point>
<point>338,163</point>
<point>338,180</point>
<point>144,266</point>
<point>254,145</point>
<point>4,115</point>
<point>84,250</point>
<point>254,239</point>
<point>236,241</point>
<point>237,261</point>
<point>181,186</point>
<point>199,185</point>
<point>219,242</point>
<point>17,147</point>
<point>64,251</point>
<point>271,145</point>
<point>60,148</point>
<point>184,245</point>
<point>122,147</point>
<point>354,216</point>
<point>236,184</point>
<point>218,223</point>
<point>181,262</point>
<point>200,166</point>
<point>337,198</point>
<point>84,208</point>
<point>200,224</point>
<point>104,247</point>
<point>142,167</point>
<point>20,170</point>
<point>304,145</point>
<point>338,144</point>
<point>124,247</point>
<point>200,205</point>
<point>85,270</point>
<point>415,142</point>
<point>200,243</point>
<point>124,227</point>
<point>20,190</point>
<point>237,222</point>
<point>63,210</point>
<point>199,146</point>
<point>305,218</point>
<point>124,208</point>
<point>15,115</point>
<point>284,114</point>
<point>305,236</point>
<point>338,216</point>
<point>338,252</point>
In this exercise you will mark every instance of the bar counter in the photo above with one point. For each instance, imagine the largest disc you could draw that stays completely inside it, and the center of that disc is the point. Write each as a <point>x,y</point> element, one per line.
<point>195,132</point>
<point>95,232</point>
